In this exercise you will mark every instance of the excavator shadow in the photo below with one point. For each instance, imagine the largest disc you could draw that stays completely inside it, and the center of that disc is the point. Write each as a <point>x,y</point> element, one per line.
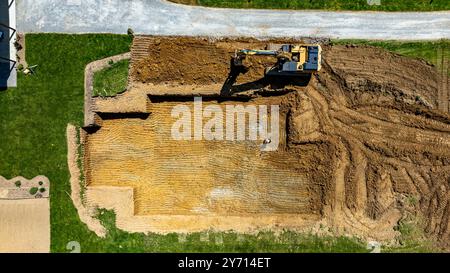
<point>271,82</point>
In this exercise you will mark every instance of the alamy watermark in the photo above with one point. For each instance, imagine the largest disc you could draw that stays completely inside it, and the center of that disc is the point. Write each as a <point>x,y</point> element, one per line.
<point>238,123</point>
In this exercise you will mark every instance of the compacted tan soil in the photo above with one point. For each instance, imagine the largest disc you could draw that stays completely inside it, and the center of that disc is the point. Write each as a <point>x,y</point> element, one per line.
<point>362,144</point>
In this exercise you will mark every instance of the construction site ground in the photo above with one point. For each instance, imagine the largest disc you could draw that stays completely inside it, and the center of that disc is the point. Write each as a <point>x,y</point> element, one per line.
<point>25,225</point>
<point>363,144</point>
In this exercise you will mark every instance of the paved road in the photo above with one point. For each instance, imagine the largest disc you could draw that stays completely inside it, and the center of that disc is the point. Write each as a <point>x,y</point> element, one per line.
<point>163,18</point>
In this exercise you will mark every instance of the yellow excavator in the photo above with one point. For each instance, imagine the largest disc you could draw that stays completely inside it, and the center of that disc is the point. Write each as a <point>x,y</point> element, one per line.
<point>292,60</point>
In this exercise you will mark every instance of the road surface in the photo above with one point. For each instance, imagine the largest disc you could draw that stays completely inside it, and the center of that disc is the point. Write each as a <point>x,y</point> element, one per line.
<point>159,17</point>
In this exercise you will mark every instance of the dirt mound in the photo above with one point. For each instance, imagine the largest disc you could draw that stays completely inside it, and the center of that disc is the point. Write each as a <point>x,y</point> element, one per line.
<point>364,144</point>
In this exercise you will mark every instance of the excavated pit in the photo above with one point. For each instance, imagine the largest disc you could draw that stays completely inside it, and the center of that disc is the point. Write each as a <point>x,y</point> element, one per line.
<point>366,135</point>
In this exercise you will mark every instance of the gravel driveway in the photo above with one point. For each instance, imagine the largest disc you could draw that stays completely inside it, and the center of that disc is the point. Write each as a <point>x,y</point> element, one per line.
<point>160,17</point>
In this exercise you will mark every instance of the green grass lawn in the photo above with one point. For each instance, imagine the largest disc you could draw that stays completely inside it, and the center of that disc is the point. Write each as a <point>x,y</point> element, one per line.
<point>111,80</point>
<point>33,120</point>
<point>385,5</point>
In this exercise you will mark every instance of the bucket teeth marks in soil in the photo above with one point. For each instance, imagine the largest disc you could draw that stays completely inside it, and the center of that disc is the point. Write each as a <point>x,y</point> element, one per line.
<point>170,169</point>
<point>365,133</point>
